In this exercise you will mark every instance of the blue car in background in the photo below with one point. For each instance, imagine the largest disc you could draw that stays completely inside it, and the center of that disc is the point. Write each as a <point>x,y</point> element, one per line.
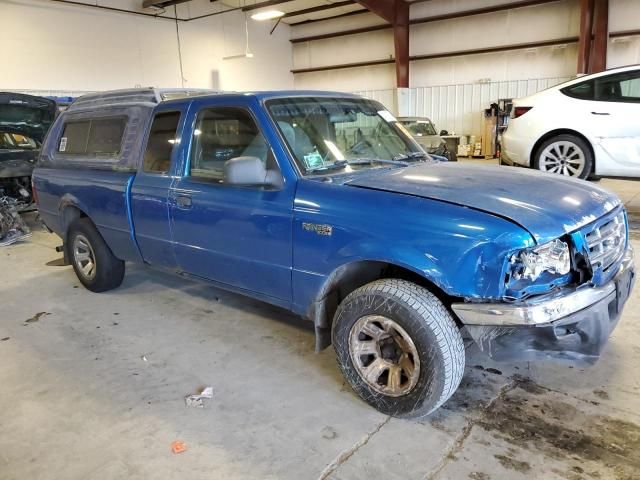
<point>319,202</point>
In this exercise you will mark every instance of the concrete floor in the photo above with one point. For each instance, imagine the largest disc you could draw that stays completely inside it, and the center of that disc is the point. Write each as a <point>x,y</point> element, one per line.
<point>93,387</point>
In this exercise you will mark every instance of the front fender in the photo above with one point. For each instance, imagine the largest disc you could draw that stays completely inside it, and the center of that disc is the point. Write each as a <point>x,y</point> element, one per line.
<point>460,250</point>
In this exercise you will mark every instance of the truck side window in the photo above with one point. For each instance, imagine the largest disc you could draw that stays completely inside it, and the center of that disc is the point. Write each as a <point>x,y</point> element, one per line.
<point>223,133</point>
<point>162,138</point>
<point>74,137</point>
<point>94,136</point>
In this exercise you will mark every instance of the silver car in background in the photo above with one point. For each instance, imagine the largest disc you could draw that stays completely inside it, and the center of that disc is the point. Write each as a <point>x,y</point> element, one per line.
<point>424,132</point>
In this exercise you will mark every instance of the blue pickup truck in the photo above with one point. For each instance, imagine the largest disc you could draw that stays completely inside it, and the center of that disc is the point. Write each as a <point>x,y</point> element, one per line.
<point>323,204</point>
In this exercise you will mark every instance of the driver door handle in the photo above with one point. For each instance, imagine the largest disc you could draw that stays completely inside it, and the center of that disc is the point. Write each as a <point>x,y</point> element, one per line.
<point>600,113</point>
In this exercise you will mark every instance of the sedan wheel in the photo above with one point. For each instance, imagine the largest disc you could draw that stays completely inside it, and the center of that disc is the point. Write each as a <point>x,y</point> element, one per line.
<point>566,155</point>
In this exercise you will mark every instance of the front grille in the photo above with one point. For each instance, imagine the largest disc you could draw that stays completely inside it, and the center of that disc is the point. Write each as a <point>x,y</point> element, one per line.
<point>606,242</point>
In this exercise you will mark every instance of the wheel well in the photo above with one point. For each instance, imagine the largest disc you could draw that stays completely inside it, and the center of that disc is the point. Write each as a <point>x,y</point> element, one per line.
<point>562,131</point>
<point>348,278</point>
<point>68,215</point>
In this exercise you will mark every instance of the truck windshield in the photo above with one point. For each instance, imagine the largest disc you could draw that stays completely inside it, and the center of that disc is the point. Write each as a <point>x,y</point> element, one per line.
<point>332,135</point>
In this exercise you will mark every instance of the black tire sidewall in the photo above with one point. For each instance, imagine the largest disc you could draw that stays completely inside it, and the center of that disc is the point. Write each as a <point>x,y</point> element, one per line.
<point>109,269</point>
<point>428,390</point>
<point>579,142</point>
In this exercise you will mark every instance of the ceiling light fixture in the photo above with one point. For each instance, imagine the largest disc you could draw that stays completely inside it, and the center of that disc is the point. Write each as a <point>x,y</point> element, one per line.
<point>267,15</point>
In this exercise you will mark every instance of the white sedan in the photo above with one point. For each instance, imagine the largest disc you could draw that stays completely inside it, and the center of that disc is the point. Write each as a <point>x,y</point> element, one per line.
<point>585,127</point>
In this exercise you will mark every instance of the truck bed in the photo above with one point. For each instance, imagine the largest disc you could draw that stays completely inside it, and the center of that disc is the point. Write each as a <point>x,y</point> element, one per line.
<point>99,194</point>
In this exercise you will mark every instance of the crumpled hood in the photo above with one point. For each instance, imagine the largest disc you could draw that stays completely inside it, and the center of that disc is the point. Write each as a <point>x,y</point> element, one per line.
<point>26,114</point>
<point>546,205</point>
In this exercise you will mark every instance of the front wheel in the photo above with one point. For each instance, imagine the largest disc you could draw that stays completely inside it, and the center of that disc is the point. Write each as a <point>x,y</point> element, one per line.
<point>565,155</point>
<point>398,347</point>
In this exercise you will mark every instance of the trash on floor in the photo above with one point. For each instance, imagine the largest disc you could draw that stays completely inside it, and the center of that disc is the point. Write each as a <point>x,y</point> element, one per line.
<point>12,227</point>
<point>196,399</point>
<point>178,447</point>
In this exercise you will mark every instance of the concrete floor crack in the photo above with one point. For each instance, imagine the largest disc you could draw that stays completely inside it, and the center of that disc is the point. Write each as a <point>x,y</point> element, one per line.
<point>459,441</point>
<point>347,454</point>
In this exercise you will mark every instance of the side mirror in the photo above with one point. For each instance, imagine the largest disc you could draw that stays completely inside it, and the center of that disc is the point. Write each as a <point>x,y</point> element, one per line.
<point>249,171</point>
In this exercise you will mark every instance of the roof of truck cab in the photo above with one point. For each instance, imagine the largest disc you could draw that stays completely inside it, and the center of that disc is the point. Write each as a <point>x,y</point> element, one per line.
<point>150,97</point>
<point>267,95</point>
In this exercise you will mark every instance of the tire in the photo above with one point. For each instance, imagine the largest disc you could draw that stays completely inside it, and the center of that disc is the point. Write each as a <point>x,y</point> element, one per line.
<point>85,245</point>
<point>564,154</point>
<point>434,335</point>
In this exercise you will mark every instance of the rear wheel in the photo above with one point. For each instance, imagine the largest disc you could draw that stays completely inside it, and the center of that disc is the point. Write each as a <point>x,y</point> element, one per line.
<point>398,347</point>
<point>565,154</point>
<point>96,266</point>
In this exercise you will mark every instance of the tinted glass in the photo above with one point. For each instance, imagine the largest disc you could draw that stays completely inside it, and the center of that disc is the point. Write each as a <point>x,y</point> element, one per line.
<point>99,136</point>
<point>620,87</point>
<point>105,135</point>
<point>222,134</point>
<point>74,138</point>
<point>583,91</point>
<point>162,138</point>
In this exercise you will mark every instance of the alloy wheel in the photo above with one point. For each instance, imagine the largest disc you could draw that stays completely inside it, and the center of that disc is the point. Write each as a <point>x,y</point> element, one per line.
<point>564,158</point>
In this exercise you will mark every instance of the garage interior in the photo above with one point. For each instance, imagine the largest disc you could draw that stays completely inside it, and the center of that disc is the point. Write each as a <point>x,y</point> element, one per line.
<point>94,385</point>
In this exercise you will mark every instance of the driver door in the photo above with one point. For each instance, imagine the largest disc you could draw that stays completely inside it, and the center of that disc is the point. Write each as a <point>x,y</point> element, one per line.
<point>240,236</point>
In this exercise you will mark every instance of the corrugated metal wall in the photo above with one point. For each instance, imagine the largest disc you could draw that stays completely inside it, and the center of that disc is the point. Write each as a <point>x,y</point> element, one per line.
<point>459,108</point>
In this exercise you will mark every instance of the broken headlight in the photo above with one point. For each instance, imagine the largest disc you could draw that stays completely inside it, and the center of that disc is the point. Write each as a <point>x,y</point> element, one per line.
<point>552,257</point>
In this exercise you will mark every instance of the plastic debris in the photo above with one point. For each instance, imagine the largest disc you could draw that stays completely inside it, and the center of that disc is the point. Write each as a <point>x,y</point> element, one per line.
<point>178,447</point>
<point>197,399</point>
<point>144,358</point>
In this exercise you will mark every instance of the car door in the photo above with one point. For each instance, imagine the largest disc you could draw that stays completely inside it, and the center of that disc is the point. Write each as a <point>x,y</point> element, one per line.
<point>608,107</point>
<point>618,105</point>
<point>150,189</point>
<point>240,236</point>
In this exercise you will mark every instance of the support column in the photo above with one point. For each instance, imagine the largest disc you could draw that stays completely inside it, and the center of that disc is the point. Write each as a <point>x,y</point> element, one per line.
<point>598,57</point>
<point>396,12</point>
<point>584,41</point>
<point>401,43</point>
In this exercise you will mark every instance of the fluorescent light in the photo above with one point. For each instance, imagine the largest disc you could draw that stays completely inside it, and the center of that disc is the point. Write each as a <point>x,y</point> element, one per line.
<point>267,15</point>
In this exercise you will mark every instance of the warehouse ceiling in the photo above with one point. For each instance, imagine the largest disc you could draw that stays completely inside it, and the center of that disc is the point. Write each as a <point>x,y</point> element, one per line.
<point>297,11</point>
<point>292,12</point>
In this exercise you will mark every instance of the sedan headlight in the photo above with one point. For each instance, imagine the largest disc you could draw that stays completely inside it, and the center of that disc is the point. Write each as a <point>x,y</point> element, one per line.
<point>552,257</point>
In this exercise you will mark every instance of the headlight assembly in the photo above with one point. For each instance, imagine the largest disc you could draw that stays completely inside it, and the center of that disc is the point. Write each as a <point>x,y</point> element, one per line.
<point>552,257</point>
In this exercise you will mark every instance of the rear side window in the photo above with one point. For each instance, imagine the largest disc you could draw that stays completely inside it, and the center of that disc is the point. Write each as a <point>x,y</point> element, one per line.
<point>582,91</point>
<point>74,138</point>
<point>96,136</point>
<point>162,138</point>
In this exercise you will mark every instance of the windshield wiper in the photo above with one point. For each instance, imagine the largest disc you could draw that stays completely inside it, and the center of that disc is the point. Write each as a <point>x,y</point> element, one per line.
<point>356,161</point>
<point>412,156</point>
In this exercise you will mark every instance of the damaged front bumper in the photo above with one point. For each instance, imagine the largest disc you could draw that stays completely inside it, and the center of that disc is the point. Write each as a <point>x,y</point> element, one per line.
<point>572,325</point>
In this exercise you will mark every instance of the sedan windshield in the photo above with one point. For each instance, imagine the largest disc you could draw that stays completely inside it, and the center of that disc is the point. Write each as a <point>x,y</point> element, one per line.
<point>420,128</point>
<point>329,135</point>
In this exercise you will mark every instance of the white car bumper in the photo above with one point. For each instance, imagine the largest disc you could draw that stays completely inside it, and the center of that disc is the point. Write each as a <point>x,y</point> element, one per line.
<point>515,149</point>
